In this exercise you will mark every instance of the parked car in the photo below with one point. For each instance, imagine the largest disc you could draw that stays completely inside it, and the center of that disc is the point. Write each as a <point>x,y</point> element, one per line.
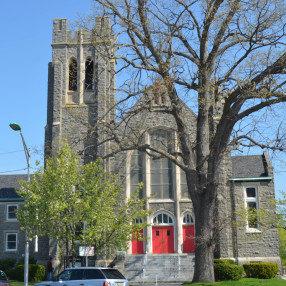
<point>4,281</point>
<point>88,276</point>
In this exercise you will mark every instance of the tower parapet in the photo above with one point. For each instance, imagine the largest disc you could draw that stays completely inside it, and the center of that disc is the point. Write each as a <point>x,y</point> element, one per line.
<point>61,34</point>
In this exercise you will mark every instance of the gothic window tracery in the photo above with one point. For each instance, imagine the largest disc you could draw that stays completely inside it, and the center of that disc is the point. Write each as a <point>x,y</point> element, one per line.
<point>73,74</point>
<point>161,168</point>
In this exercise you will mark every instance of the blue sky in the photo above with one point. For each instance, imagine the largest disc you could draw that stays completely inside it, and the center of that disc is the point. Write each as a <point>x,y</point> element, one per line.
<point>26,36</point>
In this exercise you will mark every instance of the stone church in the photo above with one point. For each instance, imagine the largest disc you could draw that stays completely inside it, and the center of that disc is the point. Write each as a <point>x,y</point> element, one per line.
<point>81,93</point>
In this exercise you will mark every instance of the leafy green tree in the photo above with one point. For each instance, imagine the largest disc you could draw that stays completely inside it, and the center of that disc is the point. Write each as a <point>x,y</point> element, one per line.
<point>63,197</point>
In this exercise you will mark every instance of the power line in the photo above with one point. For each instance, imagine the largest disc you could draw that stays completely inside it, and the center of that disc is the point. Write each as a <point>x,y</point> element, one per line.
<point>4,153</point>
<point>13,171</point>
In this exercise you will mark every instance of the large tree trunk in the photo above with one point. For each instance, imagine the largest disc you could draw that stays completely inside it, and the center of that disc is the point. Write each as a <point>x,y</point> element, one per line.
<point>204,209</point>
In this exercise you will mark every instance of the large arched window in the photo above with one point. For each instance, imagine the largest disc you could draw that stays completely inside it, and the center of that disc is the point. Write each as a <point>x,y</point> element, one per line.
<point>73,74</point>
<point>136,174</point>
<point>89,75</point>
<point>161,168</point>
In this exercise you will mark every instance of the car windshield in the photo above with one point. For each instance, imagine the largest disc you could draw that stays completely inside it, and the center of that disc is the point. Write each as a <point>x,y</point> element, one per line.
<point>112,274</point>
<point>3,276</point>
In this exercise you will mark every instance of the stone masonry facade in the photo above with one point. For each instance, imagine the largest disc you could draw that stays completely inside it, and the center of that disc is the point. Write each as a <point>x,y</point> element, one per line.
<point>76,111</point>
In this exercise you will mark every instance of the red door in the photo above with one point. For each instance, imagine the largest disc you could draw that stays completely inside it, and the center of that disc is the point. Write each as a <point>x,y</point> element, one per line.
<point>137,244</point>
<point>188,239</point>
<point>163,239</point>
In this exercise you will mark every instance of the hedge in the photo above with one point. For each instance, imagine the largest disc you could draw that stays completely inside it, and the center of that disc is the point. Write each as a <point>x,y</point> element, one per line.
<point>7,264</point>
<point>36,273</point>
<point>262,270</point>
<point>225,271</point>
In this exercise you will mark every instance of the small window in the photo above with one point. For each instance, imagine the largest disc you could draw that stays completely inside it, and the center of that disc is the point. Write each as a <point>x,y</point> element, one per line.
<point>188,219</point>
<point>73,75</point>
<point>250,193</point>
<point>251,204</point>
<point>136,173</point>
<point>162,218</point>
<point>157,232</point>
<point>168,232</point>
<point>89,75</point>
<point>12,212</point>
<point>11,241</point>
<point>138,220</point>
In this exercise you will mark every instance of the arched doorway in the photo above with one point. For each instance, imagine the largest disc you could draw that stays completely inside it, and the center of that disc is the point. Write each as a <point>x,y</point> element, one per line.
<point>137,240</point>
<point>163,234</point>
<point>188,234</point>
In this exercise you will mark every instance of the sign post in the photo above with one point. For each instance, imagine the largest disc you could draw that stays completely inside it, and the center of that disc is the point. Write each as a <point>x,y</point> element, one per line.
<point>86,251</point>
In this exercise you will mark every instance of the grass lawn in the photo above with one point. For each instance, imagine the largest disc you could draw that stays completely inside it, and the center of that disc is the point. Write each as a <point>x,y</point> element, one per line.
<point>18,283</point>
<point>243,282</point>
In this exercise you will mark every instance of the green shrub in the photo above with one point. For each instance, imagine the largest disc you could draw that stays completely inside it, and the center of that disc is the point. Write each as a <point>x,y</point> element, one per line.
<point>7,263</point>
<point>218,261</point>
<point>225,271</point>
<point>262,270</point>
<point>36,273</point>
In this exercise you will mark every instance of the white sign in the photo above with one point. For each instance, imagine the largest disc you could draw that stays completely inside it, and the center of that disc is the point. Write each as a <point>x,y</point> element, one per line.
<point>86,251</point>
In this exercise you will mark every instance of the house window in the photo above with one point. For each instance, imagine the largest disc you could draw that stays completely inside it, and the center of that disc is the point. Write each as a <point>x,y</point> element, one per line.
<point>12,212</point>
<point>161,168</point>
<point>89,75</point>
<point>11,241</point>
<point>251,204</point>
<point>73,74</point>
<point>136,172</point>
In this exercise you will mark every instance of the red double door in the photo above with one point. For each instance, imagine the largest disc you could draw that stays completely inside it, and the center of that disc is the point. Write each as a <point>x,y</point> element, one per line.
<point>137,244</point>
<point>188,239</point>
<point>163,239</point>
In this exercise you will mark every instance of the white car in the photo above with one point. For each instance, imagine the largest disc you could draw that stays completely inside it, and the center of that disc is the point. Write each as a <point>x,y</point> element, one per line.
<point>88,276</point>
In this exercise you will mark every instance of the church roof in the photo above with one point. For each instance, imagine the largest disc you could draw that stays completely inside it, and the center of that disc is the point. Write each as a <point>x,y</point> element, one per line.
<point>252,166</point>
<point>8,186</point>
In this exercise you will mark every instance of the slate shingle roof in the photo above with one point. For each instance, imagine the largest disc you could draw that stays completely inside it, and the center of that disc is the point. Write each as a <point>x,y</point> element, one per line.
<point>253,166</point>
<point>8,184</point>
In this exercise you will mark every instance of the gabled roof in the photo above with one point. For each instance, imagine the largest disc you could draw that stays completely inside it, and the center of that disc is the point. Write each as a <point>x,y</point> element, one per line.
<point>253,166</point>
<point>8,186</point>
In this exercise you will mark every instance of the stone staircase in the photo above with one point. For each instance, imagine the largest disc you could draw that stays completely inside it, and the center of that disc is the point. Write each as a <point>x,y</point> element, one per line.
<point>158,267</point>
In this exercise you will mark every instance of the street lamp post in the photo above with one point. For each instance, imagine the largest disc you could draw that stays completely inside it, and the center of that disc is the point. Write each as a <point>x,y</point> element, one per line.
<point>16,127</point>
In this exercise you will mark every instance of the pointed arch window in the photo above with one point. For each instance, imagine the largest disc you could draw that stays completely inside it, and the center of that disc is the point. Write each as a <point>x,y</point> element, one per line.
<point>161,167</point>
<point>136,171</point>
<point>89,75</point>
<point>73,74</point>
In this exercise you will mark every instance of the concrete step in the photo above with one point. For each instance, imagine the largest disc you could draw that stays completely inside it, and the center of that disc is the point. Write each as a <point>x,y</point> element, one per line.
<point>159,267</point>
